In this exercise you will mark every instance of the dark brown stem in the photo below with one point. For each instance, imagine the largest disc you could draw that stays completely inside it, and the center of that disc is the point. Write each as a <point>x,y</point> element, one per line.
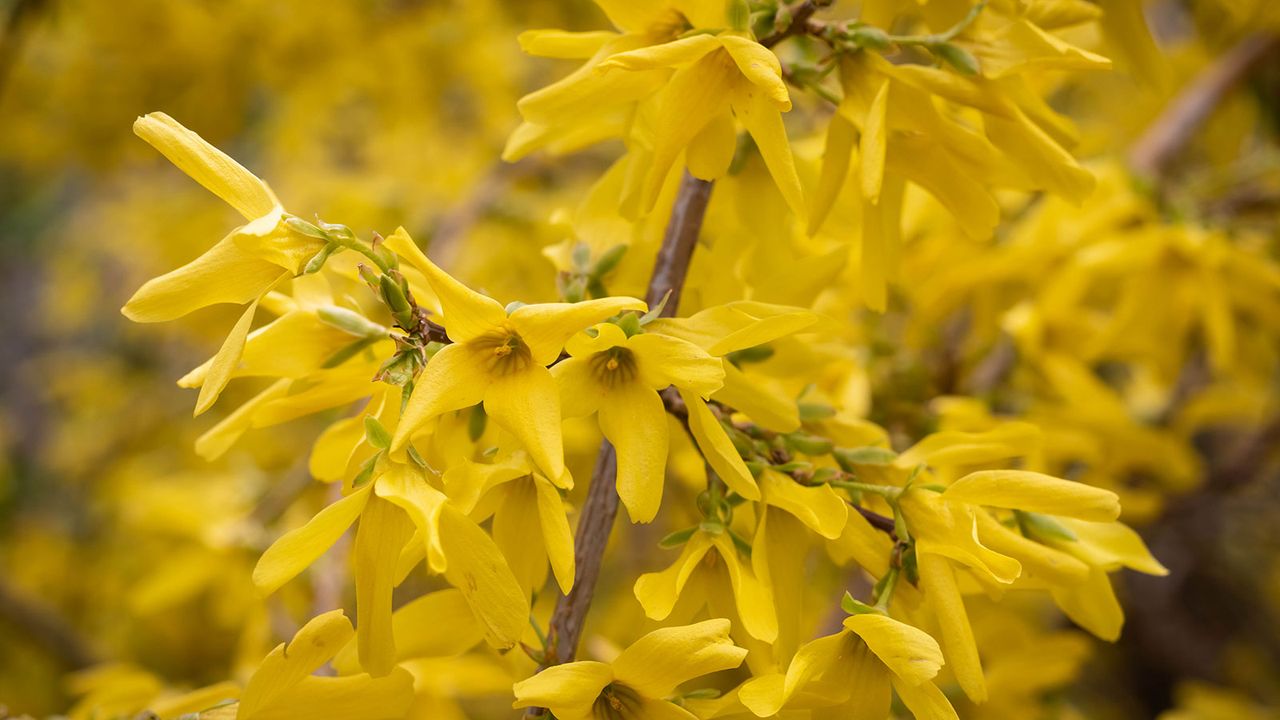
<point>800,14</point>
<point>1175,127</point>
<point>601,507</point>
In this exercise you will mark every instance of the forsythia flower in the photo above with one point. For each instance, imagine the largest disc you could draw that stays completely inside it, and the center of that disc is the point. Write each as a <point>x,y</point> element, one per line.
<point>636,685</point>
<point>499,358</point>
<point>618,377</point>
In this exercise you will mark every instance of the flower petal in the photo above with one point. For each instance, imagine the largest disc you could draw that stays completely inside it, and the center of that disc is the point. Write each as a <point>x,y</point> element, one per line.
<point>527,405</point>
<point>225,361</point>
<point>546,327</point>
<point>925,701</point>
<point>556,534</point>
<point>382,534</point>
<point>206,164</point>
<point>666,360</point>
<point>454,378</point>
<point>568,690</point>
<point>223,274</point>
<point>477,568</point>
<point>760,116</point>
<point>910,653</point>
<point>818,507</point>
<point>656,664</point>
<point>938,581</point>
<point>312,646</point>
<point>298,548</point>
<point>467,313</point>
<point>718,448</point>
<point>1036,492</point>
<point>635,422</point>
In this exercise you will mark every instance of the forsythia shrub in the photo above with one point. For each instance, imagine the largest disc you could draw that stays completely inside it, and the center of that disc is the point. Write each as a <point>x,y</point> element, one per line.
<point>677,477</point>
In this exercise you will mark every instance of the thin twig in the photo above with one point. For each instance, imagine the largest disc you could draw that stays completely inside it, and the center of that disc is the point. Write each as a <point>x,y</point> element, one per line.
<point>601,507</point>
<point>1175,127</point>
<point>800,14</point>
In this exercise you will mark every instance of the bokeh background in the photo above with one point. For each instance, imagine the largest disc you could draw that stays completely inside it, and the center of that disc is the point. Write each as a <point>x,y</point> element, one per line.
<point>125,559</point>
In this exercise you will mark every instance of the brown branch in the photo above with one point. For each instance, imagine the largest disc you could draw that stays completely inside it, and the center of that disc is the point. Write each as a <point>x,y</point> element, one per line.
<point>800,14</point>
<point>1175,127</point>
<point>601,507</point>
<point>26,616</point>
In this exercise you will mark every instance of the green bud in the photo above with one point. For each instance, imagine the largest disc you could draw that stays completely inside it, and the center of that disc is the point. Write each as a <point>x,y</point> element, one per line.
<point>711,526</point>
<point>350,321</point>
<point>849,458</point>
<point>399,369</point>
<point>581,257</point>
<point>303,227</point>
<point>369,276</point>
<point>911,565</point>
<point>375,433</point>
<point>813,412</point>
<point>366,470</point>
<point>958,58</point>
<point>393,296</point>
<point>809,444</point>
<point>824,475</point>
<point>596,289</point>
<point>794,466</point>
<point>318,260</point>
<point>869,36</point>
<point>783,18</point>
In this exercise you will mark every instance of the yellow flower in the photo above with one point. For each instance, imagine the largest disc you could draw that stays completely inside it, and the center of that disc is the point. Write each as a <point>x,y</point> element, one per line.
<point>526,507</point>
<point>499,358</point>
<point>710,572</point>
<point>619,377</point>
<point>634,686</point>
<point>717,78</point>
<point>283,686</point>
<point>855,669</point>
<point>240,269</point>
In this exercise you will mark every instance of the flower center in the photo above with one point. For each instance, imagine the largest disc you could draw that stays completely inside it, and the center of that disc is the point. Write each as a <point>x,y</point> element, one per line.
<point>504,352</point>
<point>614,366</point>
<point>617,702</point>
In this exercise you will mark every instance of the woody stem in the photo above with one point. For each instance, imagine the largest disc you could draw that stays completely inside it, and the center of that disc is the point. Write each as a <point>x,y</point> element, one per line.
<point>601,506</point>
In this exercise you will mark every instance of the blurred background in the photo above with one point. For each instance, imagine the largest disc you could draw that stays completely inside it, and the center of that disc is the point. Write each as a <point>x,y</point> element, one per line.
<point>122,551</point>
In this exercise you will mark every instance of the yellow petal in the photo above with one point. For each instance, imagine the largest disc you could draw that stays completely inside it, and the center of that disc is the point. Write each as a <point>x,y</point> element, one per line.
<point>658,591</point>
<point>925,701</point>
<point>564,44</point>
<point>467,313</point>
<point>409,489</point>
<point>665,360</point>
<point>556,534</point>
<point>766,697</point>
<point>580,392</point>
<point>718,448</point>
<point>206,164</point>
<point>656,664</point>
<point>382,534</point>
<point>454,378</point>
<point>312,646</point>
<point>763,404</point>
<point>225,361</point>
<point>218,439</point>
<point>223,274</point>
<point>477,568</point>
<point>873,146</point>
<point>671,54</point>
<point>1036,492</point>
<point>818,507</point>
<point>517,534</point>
<point>568,690</point>
<point>1041,561</point>
<point>298,548</point>
<point>1092,605</point>
<point>752,597</point>
<point>711,151</point>
<point>355,697</point>
<point>634,421</point>
<point>438,624</point>
<point>842,137</point>
<point>761,68</point>
<point>693,98</point>
<point>760,116</point>
<point>546,327</point>
<point>1020,46</point>
<point>938,581</point>
<point>908,651</point>
<point>1110,545</point>
<point>527,404</point>
<point>332,451</point>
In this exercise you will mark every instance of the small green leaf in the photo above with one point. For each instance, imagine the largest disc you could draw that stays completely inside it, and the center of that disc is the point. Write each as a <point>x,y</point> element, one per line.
<point>1043,527</point>
<point>608,261</point>
<point>630,324</point>
<point>849,458</point>
<point>350,321</point>
<point>853,606</point>
<point>476,422</point>
<point>809,444</point>
<point>958,58</point>
<point>677,538</point>
<point>375,433</point>
<point>366,470</point>
<point>813,412</point>
<point>303,227</point>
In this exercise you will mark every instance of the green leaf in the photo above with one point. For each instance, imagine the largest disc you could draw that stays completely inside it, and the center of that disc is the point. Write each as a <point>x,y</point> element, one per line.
<point>808,444</point>
<point>958,58</point>
<point>853,606</point>
<point>303,227</point>
<point>476,422</point>
<point>608,261</point>
<point>376,433</point>
<point>350,321</point>
<point>812,412</point>
<point>1043,527</point>
<point>677,538</point>
<point>849,458</point>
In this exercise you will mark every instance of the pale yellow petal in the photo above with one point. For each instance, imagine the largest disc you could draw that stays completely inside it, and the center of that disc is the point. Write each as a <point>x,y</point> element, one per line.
<point>225,361</point>
<point>556,534</point>
<point>467,313</point>
<point>818,507</point>
<point>384,530</point>
<point>527,404</point>
<point>760,116</point>
<point>454,378</point>
<point>546,327</point>
<point>564,44</point>
<point>873,146</point>
<point>938,581</point>
<point>665,360</point>
<point>477,568</point>
<point>223,274</point>
<point>299,548</point>
<point>568,690</point>
<point>910,653</point>
<point>1036,492</point>
<point>206,164</point>
<point>311,647</point>
<point>925,701</point>
<point>656,664</point>
<point>718,448</point>
<point>635,422</point>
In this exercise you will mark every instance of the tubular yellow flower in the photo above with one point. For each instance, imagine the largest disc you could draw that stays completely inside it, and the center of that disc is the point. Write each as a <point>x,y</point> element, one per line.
<point>499,358</point>
<point>618,377</point>
<point>636,684</point>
